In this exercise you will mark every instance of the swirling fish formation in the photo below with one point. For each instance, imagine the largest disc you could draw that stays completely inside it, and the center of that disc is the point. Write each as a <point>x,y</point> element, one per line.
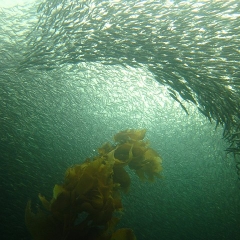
<point>192,47</point>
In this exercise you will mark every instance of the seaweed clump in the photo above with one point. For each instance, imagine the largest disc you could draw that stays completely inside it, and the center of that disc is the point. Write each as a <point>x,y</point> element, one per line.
<point>83,206</point>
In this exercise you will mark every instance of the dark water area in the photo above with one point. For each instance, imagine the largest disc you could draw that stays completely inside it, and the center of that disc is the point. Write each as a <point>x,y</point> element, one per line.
<point>61,100</point>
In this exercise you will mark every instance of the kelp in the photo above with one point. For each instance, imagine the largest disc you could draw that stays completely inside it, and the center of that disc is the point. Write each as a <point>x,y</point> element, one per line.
<point>83,206</point>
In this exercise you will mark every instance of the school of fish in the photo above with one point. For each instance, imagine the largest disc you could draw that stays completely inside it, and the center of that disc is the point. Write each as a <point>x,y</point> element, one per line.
<point>192,47</point>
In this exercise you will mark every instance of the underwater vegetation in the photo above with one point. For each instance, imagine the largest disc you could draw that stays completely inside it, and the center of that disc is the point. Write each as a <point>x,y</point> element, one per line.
<point>85,205</point>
